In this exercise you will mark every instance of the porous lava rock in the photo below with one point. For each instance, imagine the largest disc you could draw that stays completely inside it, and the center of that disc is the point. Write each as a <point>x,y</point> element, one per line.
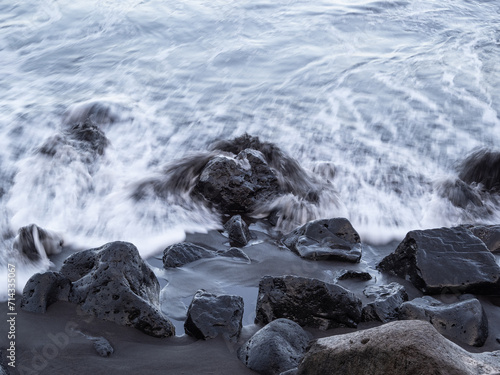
<point>308,302</point>
<point>463,321</point>
<point>395,348</point>
<point>43,289</point>
<point>113,283</point>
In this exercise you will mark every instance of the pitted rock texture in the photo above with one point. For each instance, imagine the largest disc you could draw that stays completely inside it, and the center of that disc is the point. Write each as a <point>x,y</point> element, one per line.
<point>308,302</point>
<point>114,283</point>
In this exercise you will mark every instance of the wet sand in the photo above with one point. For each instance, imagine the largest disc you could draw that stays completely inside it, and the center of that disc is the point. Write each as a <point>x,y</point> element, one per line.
<point>55,342</point>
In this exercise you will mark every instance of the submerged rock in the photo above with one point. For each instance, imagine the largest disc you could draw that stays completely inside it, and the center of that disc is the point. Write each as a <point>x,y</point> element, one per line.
<point>114,283</point>
<point>238,231</point>
<point>482,167</point>
<point>276,348</point>
<point>308,302</point>
<point>388,299</point>
<point>445,260</point>
<point>43,289</point>
<point>333,239</point>
<point>36,243</point>
<point>210,315</point>
<point>402,347</point>
<point>237,185</point>
<point>464,321</point>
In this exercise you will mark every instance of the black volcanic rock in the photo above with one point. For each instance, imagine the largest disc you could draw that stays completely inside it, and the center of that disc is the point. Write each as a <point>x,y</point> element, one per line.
<point>43,289</point>
<point>179,254</point>
<point>482,167</point>
<point>308,302</point>
<point>395,348</point>
<point>388,299</point>
<point>357,275</point>
<point>489,234</point>
<point>276,348</point>
<point>237,231</point>
<point>237,185</point>
<point>445,260</point>
<point>210,315</point>
<point>464,321</point>
<point>333,239</point>
<point>114,283</point>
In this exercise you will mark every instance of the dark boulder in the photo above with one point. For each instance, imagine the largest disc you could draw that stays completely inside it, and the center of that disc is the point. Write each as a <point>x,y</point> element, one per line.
<point>388,299</point>
<point>237,185</point>
<point>445,260</point>
<point>276,348</point>
<point>210,315</point>
<point>464,321</point>
<point>402,347</point>
<point>183,253</point>
<point>237,231</point>
<point>333,239</point>
<point>43,289</point>
<point>87,136</point>
<point>179,254</point>
<point>489,234</point>
<point>357,275</point>
<point>482,167</point>
<point>459,193</point>
<point>114,283</point>
<point>308,302</point>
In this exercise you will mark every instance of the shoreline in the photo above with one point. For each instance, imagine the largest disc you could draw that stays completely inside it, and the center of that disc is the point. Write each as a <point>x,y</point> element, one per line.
<point>54,342</point>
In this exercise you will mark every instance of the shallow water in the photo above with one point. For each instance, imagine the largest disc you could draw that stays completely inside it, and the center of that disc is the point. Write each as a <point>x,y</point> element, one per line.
<point>393,94</point>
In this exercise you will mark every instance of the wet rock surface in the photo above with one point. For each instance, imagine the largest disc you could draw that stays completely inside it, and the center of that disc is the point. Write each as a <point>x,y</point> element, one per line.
<point>210,315</point>
<point>354,275</point>
<point>114,283</point>
<point>325,239</point>
<point>445,260</point>
<point>36,243</point>
<point>308,302</point>
<point>237,231</point>
<point>276,348</point>
<point>180,254</point>
<point>236,185</point>
<point>402,347</point>
<point>464,321</point>
<point>385,307</point>
<point>489,234</point>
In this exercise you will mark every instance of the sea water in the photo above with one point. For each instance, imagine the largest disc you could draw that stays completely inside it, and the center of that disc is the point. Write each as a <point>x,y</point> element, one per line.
<point>390,96</point>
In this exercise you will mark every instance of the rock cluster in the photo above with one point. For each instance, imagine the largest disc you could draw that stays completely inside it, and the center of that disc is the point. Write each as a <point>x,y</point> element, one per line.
<point>111,282</point>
